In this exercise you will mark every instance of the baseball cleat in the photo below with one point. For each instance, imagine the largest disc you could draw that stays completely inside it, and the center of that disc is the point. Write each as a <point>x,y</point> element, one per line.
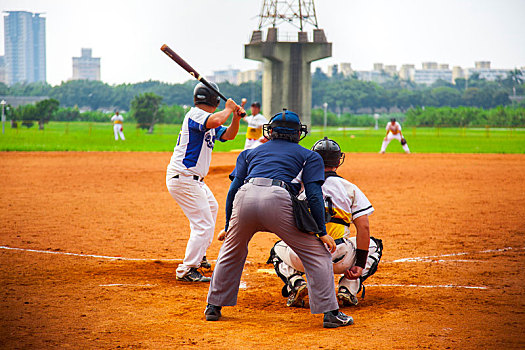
<point>333,321</point>
<point>346,298</point>
<point>212,312</point>
<point>204,263</point>
<point>296,298</point>
<point>193,276</point>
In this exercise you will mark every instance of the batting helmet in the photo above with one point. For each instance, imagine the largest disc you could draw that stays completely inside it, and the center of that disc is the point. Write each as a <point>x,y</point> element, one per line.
<point>285,125</point>
<point>205,95</point>
<point>330,152</point>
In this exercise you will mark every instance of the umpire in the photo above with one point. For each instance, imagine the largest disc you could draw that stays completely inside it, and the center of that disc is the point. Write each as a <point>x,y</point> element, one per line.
<point>259,201</point>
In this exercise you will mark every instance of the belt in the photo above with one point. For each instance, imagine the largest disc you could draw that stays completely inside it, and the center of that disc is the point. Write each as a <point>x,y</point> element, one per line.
<point>264,181</point>
<point>195,177</point>
<point>339,241</point>
<point>339,221</point>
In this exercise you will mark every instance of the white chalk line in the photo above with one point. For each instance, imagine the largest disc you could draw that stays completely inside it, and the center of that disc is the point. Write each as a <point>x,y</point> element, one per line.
<point>431,258</point>
<point>243,284</point>
<point>272,272</point>
<point>425,286</point>
<point>87,255</point>
<point>127,285</point>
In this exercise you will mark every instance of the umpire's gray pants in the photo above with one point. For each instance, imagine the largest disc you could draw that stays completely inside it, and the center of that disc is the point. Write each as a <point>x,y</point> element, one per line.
<point>264,207</point>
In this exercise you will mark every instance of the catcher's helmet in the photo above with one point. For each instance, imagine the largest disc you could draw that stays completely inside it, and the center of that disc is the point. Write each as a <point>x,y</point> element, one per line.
<point>285,125</point>
<point>205,95</point>
<point>330,151</point>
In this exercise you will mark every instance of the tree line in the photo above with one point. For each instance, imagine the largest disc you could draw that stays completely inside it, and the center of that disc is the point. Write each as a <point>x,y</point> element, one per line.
<point>339,92</point>
<point>472,102</point>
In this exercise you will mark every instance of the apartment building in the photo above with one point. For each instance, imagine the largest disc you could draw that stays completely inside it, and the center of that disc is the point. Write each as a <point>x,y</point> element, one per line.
<point>86,67</point>
<point>25,47</point>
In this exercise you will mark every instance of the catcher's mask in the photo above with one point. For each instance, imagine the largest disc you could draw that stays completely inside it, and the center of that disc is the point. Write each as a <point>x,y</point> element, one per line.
<point>330,152</point>
<point>285,125</point>
<point>205,95</point>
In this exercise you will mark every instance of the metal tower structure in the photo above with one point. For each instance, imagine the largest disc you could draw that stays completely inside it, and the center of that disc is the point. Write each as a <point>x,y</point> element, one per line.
<point>296,13</point>
<point>287,81</point>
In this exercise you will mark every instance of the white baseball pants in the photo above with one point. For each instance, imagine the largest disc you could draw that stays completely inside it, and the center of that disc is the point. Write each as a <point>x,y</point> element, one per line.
<point>389,138</point>
<point>344,258</point>
<point>117,130</point>
<point>200,207</point>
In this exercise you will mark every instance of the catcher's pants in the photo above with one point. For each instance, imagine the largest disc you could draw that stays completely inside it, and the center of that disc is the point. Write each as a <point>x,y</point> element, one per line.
<point>390,137</point>
<point>268,208</point>
<point>200,207</point>
<point>117,130</point>
<point>343,257</point>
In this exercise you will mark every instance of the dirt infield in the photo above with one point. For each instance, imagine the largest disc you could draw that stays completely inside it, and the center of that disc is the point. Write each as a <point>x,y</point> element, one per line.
<point>68,213</point>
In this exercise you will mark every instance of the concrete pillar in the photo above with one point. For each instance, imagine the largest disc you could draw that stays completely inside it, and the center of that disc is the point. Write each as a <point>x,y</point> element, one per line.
<point>287,80</point>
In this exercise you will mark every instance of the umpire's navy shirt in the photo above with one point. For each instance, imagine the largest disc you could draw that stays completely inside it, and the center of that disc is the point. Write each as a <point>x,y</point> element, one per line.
<point>280,160</point>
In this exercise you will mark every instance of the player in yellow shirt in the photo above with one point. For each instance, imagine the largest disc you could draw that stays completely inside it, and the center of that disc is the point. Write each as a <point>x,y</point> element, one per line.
<point>117,120</point>
<point>356,257</point>
<point>254,132</point>
<point>393,131</point>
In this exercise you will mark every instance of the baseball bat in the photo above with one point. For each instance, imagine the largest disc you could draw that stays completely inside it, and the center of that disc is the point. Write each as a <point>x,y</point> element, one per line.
<point>181,62</point>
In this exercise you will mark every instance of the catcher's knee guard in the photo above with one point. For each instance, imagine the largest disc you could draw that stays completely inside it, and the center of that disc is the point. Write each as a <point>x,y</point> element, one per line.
<point>286,273</point>
<point>375,253</point>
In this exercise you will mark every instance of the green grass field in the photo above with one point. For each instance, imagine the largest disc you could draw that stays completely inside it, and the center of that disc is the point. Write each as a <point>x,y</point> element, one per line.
<point>84,136</point>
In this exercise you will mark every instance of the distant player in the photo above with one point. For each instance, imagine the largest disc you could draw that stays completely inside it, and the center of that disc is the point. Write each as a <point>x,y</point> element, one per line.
<point>393,131</point>
<point>189,165</point>
<point>254,132</point>
<point>117,120</point>
<point>356,257</point>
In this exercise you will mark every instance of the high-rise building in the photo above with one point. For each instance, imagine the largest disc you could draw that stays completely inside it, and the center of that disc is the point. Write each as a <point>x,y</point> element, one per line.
<point>406,72</point>
<point>346,69</point>
<point>483,70</point>
<point>2,70</point>
<point>86,67</point>
<point>25,47</point>
<point>431,73</point>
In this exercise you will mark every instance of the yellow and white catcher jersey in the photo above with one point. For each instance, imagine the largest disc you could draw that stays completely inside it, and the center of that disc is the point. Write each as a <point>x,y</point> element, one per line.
<point>348,203</point>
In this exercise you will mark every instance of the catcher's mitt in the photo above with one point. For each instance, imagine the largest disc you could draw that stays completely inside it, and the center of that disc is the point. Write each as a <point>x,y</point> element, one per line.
<point>403,141</point>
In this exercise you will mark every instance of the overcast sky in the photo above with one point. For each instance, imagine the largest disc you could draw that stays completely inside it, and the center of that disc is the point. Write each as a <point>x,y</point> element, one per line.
<point>210,34</point>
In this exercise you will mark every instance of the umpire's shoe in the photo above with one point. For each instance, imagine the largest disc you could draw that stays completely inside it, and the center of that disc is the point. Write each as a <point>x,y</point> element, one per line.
<point>212,312</point>
<point>194,276</point>
<point>338,320</point>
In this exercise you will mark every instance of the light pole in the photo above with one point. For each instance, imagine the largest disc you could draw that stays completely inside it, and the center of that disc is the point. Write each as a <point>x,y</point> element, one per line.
<point>3,115</point>
<point>376,117</point>
<point>325,105</point>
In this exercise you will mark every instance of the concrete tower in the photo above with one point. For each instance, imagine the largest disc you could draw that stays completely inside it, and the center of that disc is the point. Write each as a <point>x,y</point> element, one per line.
<point>287,58</point>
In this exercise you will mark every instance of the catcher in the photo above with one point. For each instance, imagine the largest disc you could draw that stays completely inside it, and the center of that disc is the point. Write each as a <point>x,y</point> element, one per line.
<point>356,258</point>
<point>393,131</point>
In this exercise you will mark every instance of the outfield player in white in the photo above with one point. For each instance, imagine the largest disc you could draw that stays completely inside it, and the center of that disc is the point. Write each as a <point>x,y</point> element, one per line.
<point>355,257</point>
<point>117,120</point>
<point>393,131</point>
<point>189,165</point>
<point>254,134</point>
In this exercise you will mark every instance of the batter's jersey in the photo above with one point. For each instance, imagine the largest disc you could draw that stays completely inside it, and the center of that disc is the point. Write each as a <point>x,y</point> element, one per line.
<point>348,203</point>
<point>117,119</point>
<point>192,154</point>
<point>255,123</point>
<point>389,124</point>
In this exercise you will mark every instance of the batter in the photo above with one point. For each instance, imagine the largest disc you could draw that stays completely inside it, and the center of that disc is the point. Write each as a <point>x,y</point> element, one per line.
<point>189,165</point>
